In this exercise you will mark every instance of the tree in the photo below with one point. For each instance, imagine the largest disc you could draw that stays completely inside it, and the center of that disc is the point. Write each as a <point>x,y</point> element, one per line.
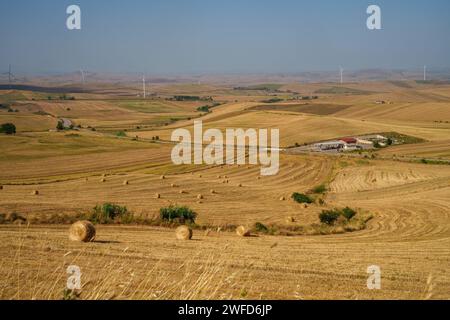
<point>8,128</point>
<point>60,126</point>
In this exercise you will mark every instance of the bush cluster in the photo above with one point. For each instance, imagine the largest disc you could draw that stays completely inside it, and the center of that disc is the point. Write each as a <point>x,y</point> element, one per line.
<point>330,216</point>
<point>179,214</point>
<point>110,213</point>
<point>301,198</point>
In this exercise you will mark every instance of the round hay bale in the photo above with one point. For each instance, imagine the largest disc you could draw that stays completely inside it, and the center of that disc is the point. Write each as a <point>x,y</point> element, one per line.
<point>183,233</point>
<point>258,178</point>
<point>199,175</point>
<point>212,191</point>
<point>290,219</point>
<point>242,231</point>
<point>219,177</point>
<point>125,183</point>
<point>182,192</point>
<point>225,177</point>
<point>102,180</point>
<point>200,197</point>
<point>239,185</point>
<point>282,199</point>
<point>173,185</point>
<point>82,231</point>
<point>163,177</point>
<point>35,192</point>
<point>157,196</point>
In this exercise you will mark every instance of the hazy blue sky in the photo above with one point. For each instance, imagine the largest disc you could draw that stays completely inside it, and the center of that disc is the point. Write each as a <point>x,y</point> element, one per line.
<point>211,36</point>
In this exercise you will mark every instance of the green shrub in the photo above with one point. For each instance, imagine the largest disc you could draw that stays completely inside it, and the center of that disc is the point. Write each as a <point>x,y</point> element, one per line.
<point>110,213</point>
<point>301,198</point>
<point>319,189</point>
<point>273,100</point>
<point>259,227</point>
<point>203,109</point>
<point>177,213</point>
<point>8,128</point>
<point>329,216</point>
<point>348,213</point>
<point>121,134</point>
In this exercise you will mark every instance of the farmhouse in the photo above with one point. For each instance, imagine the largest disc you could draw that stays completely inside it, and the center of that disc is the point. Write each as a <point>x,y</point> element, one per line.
<point>349,140</point>
<point>374,137</point>
<point>331,145</point>
<point>364,144</point>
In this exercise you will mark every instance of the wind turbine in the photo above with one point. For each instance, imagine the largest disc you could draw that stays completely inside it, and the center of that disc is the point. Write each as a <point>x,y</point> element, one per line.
<point>341,71</point>
<point>82,77</point>
<point>143,85</point>
<point>10,75</point>
<point>424,73</point>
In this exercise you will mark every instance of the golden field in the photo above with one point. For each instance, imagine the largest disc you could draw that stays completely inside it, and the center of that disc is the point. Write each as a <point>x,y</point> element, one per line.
<point>408,235</point>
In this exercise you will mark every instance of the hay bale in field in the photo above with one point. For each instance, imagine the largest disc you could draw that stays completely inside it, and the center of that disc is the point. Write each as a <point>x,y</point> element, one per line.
<point>35,192</point>
<point>183,233</point>
<point>102,180</point>
<point>212,191</point>
<point>173,185</point>
<point>182,192</point>
<point>242,231</point>
<point>200,197</point>
<point>125,183</point>
<point>219,177</point>
<point>82,231</point>
<point>290,219</point>
<point>157,196</point>
<point>162,177</point>
<point>239,185</point>
<point>199,175</point>
<point>225,177</point>
<point>282,199</point>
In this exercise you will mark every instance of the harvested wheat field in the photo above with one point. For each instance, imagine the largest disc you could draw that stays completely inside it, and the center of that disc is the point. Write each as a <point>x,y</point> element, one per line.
<point>250,236</point>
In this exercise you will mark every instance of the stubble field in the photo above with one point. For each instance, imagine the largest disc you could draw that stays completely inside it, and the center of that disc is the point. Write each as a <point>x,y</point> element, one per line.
<point>408,235</point>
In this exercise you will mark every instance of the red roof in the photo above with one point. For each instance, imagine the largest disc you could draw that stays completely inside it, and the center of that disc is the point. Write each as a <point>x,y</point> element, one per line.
<point>349,140</point>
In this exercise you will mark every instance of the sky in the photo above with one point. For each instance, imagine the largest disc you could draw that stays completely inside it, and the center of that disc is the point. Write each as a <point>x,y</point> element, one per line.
<point>232,36</point>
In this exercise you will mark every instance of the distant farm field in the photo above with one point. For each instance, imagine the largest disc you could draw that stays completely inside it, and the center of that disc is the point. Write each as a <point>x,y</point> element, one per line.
<point>119,153</point>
